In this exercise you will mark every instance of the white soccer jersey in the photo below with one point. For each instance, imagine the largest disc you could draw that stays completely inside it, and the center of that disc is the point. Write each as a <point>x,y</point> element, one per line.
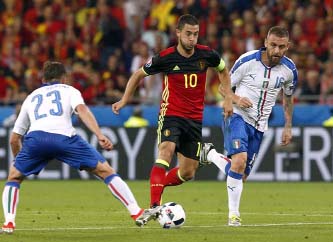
<point>261,84</point>
<point>49,108</point>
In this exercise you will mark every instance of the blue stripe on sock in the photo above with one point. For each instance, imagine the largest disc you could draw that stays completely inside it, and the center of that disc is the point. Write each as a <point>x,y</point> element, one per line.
<point>108,179</point>
<point>235,175</point>
<point>13,184</point>
<point>227,168</point>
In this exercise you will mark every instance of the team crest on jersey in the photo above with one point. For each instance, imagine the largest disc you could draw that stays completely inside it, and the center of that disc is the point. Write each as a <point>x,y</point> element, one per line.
<point>202,64</point>
<point>236,143</point>
<point>167,132</point>
<point>148,64</point>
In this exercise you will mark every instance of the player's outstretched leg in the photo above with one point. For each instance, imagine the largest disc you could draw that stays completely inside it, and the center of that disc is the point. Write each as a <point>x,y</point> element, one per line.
<point>209,155</point>
<point>146,215</point>
<point>206,148</point>
<point>173,178</point>
<point>10,199</point>
<point>122,192</point>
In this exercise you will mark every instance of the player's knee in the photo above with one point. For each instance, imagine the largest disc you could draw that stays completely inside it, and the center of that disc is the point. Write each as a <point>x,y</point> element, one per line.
<point>166,150</point>
<point>14,175</point>
<point>15,179</point>
<point>165,154</point>
<point>103,170</point>
<point>186,175</point>
<point>239,162</point>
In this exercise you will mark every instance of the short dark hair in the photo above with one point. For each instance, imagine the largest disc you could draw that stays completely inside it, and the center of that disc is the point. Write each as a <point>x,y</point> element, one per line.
<point>53,70</point>
<point>279,31</point>
<point>186,19</point>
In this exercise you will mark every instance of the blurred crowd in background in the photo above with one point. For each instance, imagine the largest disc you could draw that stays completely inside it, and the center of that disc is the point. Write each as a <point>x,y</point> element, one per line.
<point>102,42</point>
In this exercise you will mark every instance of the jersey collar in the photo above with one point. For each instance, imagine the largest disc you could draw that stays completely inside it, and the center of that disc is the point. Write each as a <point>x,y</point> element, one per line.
<point>258,57</point>
<point>50,83</point>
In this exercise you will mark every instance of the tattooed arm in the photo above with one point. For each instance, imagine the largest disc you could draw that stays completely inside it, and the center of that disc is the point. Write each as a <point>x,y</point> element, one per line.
<point>288,106</point>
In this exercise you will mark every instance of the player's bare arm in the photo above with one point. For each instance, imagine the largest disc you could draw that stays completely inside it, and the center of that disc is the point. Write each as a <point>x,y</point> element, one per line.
<point>89,120</point>
<point>288,106</point>
<point>15,143</point>
<point>131,86</point>
<point>225,85</point>
<point>242,102</point>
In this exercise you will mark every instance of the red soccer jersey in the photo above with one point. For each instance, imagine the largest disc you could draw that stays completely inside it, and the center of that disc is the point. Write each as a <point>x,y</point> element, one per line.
<point>184,80</point>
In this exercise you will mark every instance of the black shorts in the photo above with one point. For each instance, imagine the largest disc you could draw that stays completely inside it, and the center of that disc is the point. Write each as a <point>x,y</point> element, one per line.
<point>186,133</point>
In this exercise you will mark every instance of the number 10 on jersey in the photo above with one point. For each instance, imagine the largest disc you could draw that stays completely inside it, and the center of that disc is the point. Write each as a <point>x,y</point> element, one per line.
<point>191,80</point>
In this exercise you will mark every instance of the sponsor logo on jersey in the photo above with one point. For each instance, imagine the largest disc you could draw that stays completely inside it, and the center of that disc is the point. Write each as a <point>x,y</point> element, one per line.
<point>253,76</point>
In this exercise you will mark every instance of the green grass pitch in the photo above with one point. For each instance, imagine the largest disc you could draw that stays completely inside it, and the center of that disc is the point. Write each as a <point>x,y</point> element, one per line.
<point>52,211</point>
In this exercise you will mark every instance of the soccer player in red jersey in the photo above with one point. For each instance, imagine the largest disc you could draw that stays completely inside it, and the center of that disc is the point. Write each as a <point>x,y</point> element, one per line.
<point>180,119</point>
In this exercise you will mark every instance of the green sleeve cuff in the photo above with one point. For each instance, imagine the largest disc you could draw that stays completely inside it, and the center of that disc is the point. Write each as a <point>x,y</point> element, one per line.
<point>144,71</point>
<point>221,66</point>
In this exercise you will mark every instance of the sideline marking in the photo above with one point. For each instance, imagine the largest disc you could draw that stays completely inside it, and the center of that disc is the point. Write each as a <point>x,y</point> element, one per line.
<point>300,213</point>
<point>199,226</point>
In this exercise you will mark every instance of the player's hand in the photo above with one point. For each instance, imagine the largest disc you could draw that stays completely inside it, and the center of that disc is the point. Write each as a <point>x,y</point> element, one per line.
<point>286,136</point>
<point>244,102</point>
<point>117,106</point>
<point>104,142</point>
<point>227,107</point>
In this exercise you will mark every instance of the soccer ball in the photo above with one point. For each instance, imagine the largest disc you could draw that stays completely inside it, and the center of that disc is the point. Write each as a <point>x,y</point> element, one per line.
<point>172,215</point>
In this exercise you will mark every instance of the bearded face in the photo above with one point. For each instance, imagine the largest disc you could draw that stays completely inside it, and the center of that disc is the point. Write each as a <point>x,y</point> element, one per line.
<point>276,48</point>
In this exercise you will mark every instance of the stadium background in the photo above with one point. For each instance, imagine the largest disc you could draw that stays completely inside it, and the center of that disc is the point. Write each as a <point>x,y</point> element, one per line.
<point>102,42</point>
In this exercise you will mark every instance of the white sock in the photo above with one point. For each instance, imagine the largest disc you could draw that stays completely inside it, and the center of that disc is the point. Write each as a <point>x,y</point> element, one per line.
<point>234,188</point>
<point>123,193</point>
<point>10,199</point>
<point>220,160</point>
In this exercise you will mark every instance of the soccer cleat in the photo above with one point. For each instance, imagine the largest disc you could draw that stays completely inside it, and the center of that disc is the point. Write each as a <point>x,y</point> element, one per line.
<point>204,153</point>
<point>8,229</point>
<point>234,221</point>
<point>148,214</point>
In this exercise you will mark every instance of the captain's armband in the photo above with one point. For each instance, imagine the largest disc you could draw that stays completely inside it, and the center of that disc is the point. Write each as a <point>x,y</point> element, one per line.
<point>221,66</point>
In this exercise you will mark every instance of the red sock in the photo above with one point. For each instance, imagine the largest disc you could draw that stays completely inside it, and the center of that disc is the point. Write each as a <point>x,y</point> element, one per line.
<point>172,178</point>
<point>157,176</point>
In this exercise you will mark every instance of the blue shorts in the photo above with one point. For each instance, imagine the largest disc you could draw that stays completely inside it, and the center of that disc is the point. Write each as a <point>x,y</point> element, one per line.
<point>240,136</point>
<point>40,147</point>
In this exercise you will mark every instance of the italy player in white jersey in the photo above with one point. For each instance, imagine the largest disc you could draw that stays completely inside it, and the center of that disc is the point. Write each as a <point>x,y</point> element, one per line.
<point>258,77</point>
<point>45,124</point>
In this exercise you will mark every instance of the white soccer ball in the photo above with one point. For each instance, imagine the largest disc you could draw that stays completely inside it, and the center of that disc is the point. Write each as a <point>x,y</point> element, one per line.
<point>172,215</point>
